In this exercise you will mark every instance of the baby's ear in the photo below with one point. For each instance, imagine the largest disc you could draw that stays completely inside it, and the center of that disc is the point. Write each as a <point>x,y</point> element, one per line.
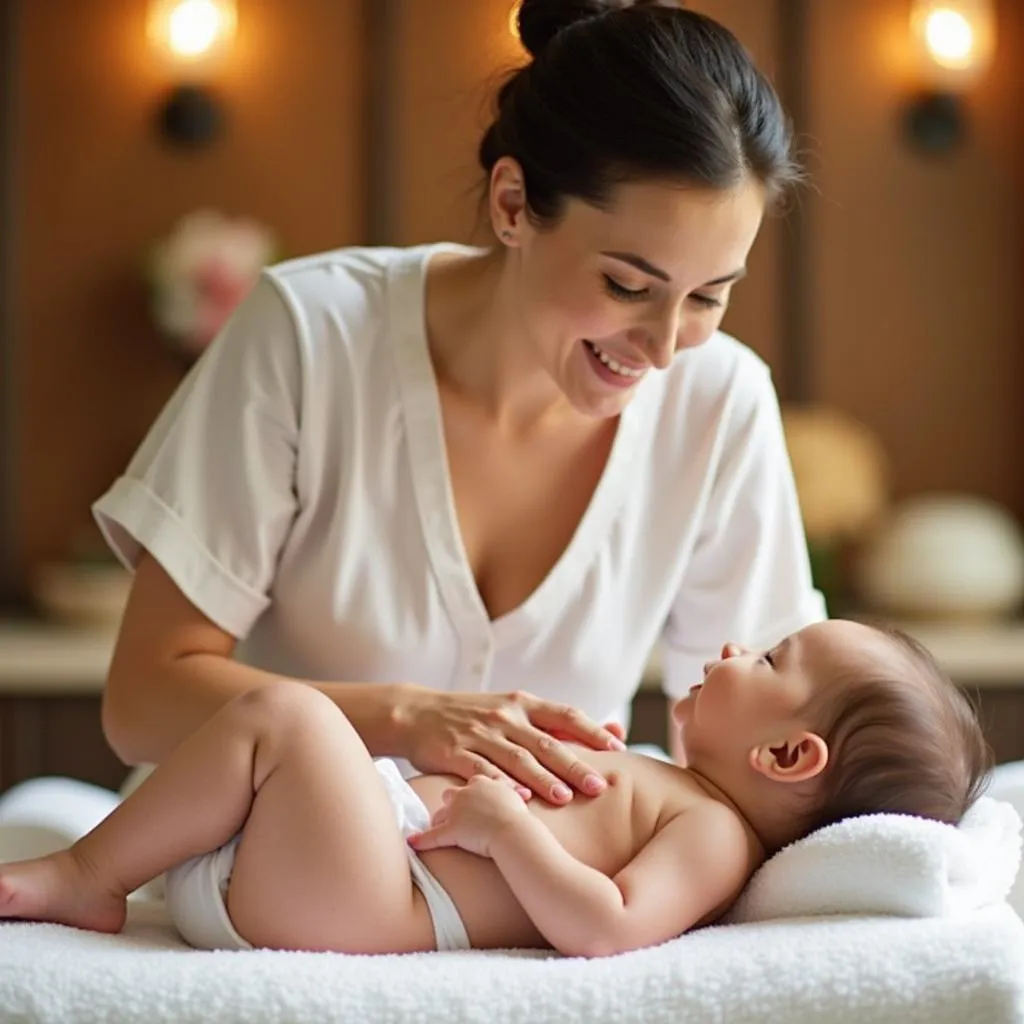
<point>796,758</point>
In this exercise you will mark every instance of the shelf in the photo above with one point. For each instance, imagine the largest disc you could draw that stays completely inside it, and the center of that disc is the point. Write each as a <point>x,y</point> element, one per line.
<point>37,658</point>
<point>973,654</point>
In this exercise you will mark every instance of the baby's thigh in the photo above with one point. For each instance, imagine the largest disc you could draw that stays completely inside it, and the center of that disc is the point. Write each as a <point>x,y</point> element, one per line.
<point>322,863</point>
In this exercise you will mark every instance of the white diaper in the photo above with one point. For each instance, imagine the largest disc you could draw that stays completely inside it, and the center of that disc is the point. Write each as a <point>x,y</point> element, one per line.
<point>197,888</point>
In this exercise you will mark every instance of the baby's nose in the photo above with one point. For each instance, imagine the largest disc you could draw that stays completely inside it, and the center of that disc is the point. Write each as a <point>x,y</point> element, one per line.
<point>728,651</point>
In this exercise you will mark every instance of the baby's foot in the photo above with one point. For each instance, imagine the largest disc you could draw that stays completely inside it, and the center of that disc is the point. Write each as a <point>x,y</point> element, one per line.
<point>61,889</point>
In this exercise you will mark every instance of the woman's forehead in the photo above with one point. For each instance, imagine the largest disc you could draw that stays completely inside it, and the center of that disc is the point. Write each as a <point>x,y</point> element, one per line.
<point>686,232</point>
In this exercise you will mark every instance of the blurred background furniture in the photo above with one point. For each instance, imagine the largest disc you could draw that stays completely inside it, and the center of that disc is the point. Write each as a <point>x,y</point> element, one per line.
<point>51,679</point>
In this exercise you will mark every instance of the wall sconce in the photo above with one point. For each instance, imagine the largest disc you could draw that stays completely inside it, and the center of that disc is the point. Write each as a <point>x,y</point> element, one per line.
<point>954,42</point>
<point>191,36</point>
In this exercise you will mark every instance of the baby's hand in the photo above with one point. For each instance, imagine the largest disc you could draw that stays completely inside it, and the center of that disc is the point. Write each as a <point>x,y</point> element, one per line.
<point>472,816</point>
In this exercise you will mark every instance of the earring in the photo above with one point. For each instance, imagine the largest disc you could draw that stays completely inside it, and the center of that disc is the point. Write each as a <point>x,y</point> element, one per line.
<point>506,236</point>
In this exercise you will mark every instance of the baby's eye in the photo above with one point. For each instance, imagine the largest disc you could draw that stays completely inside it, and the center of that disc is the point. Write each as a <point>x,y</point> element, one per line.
<point>768,658</point>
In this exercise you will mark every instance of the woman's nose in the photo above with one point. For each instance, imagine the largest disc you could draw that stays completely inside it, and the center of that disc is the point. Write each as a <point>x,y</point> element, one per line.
<point>662,338</point>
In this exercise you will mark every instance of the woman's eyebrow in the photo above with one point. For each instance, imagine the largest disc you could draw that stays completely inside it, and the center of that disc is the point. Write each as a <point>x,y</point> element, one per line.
<point>649,268</point>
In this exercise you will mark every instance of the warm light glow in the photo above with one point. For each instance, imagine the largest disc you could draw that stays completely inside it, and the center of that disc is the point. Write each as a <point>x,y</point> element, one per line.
<point>949,38</point>
<point>513,21</point>
<point>192,30</point>
<point>956,37</point>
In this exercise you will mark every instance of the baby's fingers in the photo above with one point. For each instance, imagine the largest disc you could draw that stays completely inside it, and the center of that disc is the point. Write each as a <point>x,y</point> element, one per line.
<point>432,838</point>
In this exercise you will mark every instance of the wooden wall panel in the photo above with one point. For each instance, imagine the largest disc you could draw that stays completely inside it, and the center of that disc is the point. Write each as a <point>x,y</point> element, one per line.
<point>96,187</point>
<point>917,263</point>
<point>450,59</point>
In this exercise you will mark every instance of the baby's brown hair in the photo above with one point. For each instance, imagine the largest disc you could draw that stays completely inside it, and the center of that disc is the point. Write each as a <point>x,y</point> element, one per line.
<point>903,742</point>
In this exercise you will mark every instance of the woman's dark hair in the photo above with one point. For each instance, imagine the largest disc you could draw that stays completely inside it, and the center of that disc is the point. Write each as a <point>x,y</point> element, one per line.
<point>623,91</point>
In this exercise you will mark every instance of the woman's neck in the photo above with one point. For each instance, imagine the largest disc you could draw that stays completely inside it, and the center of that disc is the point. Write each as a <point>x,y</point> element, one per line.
<point>480,348</point>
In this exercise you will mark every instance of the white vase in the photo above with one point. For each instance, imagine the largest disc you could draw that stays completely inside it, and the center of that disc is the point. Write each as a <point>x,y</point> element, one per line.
<point>945,557</point>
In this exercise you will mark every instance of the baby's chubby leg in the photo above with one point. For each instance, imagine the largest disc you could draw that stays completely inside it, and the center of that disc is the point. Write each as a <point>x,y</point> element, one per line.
<point>283,762</point>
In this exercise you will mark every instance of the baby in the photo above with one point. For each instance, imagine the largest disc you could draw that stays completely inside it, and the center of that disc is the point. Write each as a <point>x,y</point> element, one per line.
<point>315,846</point>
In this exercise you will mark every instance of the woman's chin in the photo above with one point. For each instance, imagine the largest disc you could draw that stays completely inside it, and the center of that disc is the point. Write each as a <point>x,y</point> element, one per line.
<point>598,406</point>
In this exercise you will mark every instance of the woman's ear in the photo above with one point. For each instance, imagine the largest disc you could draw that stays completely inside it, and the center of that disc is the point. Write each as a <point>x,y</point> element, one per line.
<point>508,199</point>
<point>795,759</point>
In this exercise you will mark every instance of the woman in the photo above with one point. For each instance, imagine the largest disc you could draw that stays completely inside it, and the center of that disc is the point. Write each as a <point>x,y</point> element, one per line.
<point>465,492</point>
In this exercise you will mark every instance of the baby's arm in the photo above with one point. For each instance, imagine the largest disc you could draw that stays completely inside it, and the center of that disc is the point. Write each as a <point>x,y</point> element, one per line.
<point>698,861</point>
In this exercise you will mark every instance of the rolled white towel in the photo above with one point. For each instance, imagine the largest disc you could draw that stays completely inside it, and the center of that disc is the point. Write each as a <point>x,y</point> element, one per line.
<point>42,815</point>
<point>46,814</point>
<point>890,864</point>
<point>1008,784</point>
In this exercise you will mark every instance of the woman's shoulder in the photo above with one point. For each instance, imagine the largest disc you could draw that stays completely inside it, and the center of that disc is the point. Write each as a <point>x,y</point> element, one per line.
<point>343,301</point>
<point>353,276</point>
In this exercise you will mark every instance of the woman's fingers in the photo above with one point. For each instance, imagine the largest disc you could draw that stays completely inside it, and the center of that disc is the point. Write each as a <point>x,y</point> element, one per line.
<point>571,722</point>
<point>616,730</point>
<point>467,763</point>
<point>509,738</point>
<point>549,768</point>
<point>518,762</point>
<point>562,760</point>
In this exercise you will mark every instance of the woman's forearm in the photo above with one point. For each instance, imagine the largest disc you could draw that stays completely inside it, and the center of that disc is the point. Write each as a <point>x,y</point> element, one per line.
<point>143,722</point>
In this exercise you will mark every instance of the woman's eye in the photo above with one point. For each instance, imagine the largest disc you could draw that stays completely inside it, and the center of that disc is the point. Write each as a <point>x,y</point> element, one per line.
<point>618,291</point>
<point>707,301</point>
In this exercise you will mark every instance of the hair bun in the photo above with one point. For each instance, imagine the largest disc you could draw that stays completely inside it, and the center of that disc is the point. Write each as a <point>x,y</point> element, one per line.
<point>541,20</point>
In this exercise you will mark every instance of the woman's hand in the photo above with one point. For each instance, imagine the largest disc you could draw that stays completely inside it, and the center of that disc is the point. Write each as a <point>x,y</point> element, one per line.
<point>510,737</point>
<point>471,816</point>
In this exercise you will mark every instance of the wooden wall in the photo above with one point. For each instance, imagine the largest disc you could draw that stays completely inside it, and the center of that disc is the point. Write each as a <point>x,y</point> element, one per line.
<point>96,186</point>
<point>918,320</point>
<point>915,321</point>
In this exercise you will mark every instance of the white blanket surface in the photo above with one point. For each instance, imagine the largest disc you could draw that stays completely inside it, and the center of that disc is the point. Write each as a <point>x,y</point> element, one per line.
<point>834,970</point>
<point>880,919</point>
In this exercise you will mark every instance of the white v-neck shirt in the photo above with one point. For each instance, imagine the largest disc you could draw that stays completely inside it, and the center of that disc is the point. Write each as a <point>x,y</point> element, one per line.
<point>296,489</point>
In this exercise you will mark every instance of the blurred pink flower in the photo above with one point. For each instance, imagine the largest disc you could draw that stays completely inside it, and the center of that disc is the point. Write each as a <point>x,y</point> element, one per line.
<point>201,271</point>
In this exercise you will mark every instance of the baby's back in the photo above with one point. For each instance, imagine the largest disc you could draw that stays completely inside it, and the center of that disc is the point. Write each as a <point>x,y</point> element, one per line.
<point>604,832</point>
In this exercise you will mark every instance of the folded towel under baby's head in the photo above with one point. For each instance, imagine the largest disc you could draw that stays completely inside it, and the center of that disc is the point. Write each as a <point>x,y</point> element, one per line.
<point>890,864</point>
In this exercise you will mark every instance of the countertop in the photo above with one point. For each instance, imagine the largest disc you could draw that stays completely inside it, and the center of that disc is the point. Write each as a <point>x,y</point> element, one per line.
<point>36,658</point>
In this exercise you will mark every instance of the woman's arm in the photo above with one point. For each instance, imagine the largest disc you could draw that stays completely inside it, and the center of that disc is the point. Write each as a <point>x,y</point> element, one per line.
<point>173,668</point>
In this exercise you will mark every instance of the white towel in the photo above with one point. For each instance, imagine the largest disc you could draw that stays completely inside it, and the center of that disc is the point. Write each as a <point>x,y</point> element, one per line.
<point>963,970</point>
<point>891,864</point>
<point>938,962</point>
<point>1008,784</point>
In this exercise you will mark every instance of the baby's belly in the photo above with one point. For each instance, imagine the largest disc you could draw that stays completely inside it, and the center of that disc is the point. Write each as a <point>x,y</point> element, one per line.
<point>600,836</point>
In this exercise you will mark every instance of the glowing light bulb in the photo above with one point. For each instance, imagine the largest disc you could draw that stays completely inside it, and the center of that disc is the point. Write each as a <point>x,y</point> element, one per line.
<point>949,38</point>
<point>956,37</point>
<point>191,30</point>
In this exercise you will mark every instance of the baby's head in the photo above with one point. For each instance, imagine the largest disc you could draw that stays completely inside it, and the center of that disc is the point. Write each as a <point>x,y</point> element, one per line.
<point>845,719</point>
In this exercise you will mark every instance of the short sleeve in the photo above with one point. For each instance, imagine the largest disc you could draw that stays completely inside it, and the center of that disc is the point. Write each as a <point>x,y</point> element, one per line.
<point>211,491</point>
<point>748,580</point>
